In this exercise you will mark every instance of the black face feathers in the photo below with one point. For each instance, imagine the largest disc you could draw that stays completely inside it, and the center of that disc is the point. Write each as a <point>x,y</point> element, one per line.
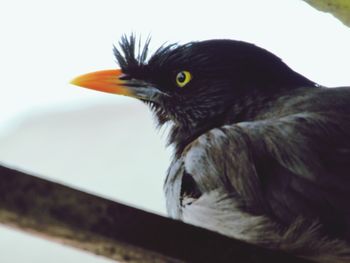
<point>230,80</point>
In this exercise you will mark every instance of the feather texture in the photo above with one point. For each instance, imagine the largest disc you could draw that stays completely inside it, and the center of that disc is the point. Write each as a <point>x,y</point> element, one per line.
<point>281,182</point>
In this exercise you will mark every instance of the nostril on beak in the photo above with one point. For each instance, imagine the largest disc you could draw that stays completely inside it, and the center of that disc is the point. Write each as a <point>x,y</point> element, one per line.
<point>124,77</point>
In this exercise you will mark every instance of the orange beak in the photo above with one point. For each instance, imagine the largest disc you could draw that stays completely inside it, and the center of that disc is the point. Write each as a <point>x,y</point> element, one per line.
<point>114,81</point>
<point>105,80</point>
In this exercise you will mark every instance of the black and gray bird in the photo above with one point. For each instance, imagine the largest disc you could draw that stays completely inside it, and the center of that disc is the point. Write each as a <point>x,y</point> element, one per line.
<point>262,154</point>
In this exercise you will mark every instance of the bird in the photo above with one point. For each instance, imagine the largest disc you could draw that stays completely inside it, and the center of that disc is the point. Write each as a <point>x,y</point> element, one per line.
<point>261,152</point>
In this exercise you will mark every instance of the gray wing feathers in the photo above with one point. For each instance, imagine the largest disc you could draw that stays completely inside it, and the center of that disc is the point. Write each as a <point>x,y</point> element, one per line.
<point>282,183</point>
<point>221,159</point>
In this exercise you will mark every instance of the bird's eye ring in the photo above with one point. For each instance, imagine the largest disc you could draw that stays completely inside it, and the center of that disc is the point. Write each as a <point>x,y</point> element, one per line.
<point>182,78</point>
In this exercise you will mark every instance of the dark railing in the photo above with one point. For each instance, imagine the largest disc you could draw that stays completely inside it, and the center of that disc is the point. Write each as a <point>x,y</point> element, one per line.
<point>114,230</point>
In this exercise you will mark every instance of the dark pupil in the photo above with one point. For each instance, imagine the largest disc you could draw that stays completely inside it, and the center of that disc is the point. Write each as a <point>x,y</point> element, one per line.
<point>181,77</point>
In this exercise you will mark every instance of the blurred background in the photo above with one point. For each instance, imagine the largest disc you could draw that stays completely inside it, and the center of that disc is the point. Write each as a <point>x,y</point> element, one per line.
<point>68,134</point>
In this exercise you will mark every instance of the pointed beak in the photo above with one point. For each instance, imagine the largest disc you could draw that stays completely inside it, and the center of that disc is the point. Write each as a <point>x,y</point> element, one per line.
<point>114,81</point>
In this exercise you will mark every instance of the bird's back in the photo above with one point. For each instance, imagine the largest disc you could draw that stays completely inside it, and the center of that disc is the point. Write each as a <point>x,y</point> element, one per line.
<point>320,187</point>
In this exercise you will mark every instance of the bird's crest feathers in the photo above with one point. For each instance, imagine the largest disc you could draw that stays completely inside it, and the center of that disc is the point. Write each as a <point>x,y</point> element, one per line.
<point>132,53</point>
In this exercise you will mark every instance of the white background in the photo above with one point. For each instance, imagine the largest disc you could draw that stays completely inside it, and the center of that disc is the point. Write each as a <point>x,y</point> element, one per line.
<point>45,122</point>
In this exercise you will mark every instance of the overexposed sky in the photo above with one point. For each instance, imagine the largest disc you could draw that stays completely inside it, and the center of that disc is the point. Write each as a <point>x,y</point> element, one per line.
<point>44,44</point>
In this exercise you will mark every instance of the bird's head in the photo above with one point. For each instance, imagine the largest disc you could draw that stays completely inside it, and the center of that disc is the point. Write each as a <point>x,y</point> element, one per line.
<point>195,86</point>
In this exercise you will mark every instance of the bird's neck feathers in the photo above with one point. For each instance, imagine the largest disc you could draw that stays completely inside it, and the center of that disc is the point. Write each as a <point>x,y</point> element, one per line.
<point>182,134</point>
<point>248,107</point>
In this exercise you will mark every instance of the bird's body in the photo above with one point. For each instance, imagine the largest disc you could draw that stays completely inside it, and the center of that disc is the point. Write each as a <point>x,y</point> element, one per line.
<point>278,180</point>
<point>262,154</point>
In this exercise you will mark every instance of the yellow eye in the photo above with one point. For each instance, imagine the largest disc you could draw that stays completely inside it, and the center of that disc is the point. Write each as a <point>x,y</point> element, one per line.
<point>182,78</point>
